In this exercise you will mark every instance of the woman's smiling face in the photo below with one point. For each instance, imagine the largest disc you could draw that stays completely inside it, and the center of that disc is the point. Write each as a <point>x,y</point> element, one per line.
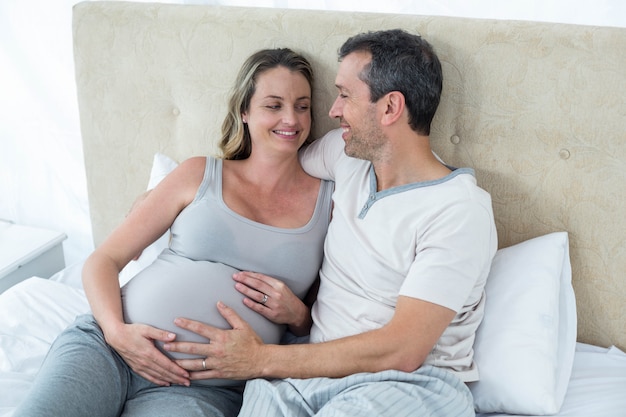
<point>279,115</point>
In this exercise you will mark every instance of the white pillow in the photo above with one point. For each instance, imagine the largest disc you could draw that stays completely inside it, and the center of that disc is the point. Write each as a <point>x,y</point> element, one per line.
<point>525,346</point>
<point>161,166</point>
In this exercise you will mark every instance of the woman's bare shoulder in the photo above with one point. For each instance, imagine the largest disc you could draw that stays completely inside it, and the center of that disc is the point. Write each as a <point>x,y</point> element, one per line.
<point>194,163</point>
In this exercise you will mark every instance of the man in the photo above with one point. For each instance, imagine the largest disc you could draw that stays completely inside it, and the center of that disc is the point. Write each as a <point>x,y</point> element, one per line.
<point>407,255</point>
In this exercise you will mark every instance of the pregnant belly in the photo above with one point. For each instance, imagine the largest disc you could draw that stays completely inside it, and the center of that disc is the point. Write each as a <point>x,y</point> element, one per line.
<point>183,288</point>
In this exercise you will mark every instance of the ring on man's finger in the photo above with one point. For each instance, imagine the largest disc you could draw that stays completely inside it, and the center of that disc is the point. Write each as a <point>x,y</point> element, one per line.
<point>264,300</point>
<point>204,364</point>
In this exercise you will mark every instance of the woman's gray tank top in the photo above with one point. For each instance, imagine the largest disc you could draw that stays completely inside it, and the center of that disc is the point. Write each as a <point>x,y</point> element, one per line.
<point>209,242</point>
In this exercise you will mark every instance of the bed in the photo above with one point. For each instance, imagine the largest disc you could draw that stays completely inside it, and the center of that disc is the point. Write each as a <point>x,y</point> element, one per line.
<point>537,109</point>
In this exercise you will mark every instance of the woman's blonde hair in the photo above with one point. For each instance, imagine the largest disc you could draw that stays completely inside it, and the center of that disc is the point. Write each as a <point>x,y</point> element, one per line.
<point>235,142</point>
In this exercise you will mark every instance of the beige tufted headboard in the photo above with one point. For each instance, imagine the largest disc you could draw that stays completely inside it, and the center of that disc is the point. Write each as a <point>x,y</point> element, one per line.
<point>539,110</point>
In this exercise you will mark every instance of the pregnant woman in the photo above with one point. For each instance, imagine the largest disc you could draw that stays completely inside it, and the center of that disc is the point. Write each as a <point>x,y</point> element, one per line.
<point>253,209</point>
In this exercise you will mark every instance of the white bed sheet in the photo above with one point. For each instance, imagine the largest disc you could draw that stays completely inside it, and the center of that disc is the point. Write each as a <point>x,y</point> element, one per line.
<point>597,387</point>
<point>34,311</point>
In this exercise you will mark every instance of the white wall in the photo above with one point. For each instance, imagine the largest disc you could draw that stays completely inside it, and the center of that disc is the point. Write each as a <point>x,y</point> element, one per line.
<point>42,179</point>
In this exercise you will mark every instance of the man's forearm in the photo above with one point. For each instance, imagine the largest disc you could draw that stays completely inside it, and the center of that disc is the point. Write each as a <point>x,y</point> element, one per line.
<point>402,344</point>
<point>373,351</point>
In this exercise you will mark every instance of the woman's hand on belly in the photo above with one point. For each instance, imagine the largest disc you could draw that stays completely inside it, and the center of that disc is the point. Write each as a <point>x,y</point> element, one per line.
<point>273,299</point>
<point>135,344</point>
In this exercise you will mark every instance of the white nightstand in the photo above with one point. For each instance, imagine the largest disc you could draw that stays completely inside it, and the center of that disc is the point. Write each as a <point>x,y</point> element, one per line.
<point>28,251</point>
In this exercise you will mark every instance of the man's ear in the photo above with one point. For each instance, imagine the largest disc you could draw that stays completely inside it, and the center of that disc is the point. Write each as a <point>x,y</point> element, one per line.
<point>394,107</point>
